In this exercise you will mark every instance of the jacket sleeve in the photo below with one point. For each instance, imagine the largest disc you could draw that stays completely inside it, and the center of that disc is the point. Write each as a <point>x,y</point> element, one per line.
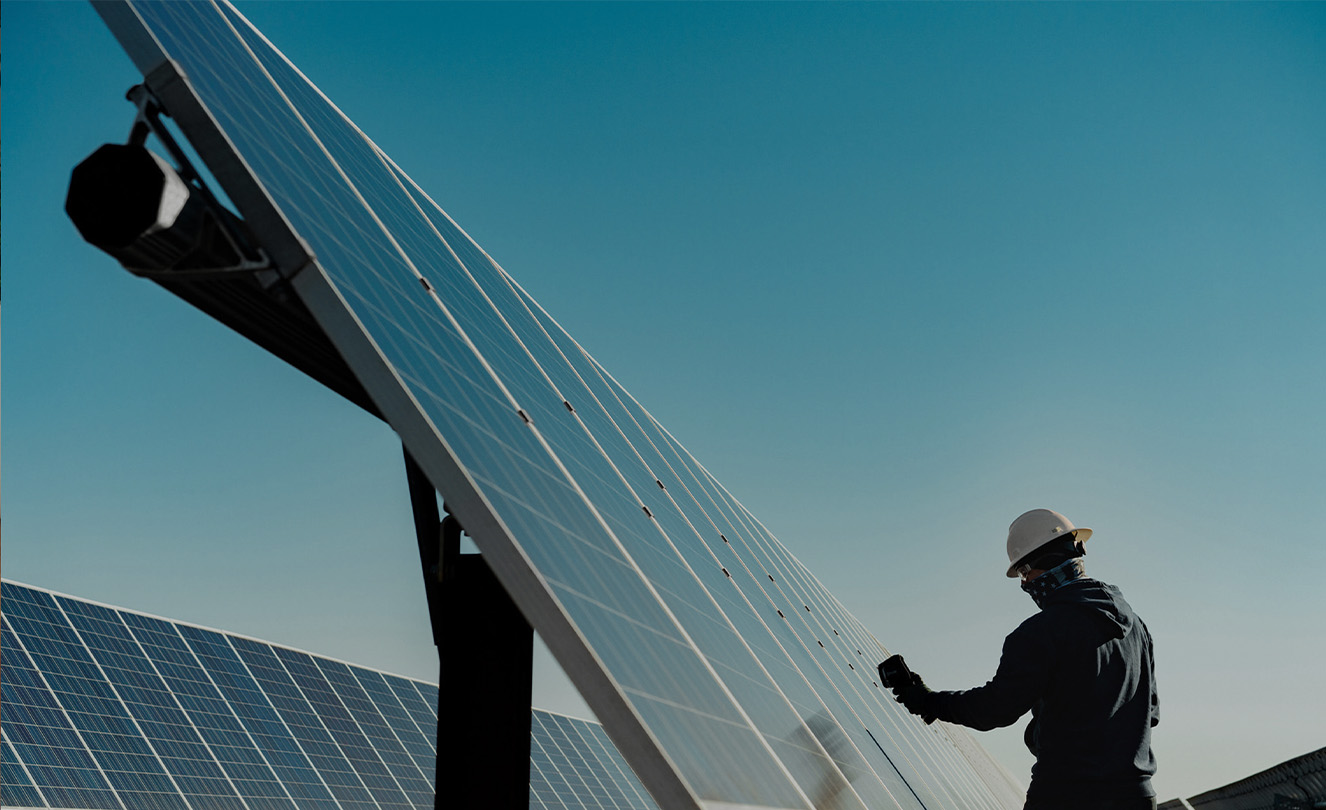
<point>1151,665</point>
<point>1020,680</point>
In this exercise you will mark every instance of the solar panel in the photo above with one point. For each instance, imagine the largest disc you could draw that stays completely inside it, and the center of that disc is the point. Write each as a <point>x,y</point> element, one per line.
<point>573,765</point>
<point>722,669</point>
<point>102,704</point>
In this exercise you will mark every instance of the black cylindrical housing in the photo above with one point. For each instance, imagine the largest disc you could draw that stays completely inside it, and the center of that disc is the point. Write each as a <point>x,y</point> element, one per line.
<point>132,204</point>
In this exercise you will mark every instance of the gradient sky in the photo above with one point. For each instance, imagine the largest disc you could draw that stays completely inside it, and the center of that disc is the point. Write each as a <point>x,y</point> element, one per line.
<point>894,273</point>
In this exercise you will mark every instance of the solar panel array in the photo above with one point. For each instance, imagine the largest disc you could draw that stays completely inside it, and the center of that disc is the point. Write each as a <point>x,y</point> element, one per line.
<point>574,765</point>
<point>719,665</point>
<point>108,709</point>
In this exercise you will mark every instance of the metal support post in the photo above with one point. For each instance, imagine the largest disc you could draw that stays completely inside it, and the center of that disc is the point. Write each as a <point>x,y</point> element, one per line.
<point>485,652</point>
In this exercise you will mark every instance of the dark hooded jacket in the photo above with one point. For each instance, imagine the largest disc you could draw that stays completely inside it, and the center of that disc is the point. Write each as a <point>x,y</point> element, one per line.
<point>1083,666</point>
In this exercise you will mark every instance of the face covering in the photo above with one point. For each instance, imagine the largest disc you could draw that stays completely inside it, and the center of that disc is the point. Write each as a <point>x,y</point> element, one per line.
<point>1062,574</point>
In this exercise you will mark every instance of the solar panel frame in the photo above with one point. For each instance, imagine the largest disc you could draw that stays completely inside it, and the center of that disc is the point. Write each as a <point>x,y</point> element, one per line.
<point>766,700</point>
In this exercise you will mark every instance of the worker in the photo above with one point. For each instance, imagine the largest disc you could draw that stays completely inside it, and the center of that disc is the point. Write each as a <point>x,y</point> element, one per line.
<point>1082,666</point>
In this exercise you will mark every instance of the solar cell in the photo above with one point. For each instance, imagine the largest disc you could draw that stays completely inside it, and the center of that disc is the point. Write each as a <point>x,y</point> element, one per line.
<point>722,668</point>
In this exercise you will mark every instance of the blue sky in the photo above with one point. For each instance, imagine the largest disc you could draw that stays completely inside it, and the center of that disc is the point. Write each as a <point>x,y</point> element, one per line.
<point>894,273</point>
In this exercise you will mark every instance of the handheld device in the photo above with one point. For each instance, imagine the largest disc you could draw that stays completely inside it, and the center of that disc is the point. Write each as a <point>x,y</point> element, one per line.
<point>893,672</point>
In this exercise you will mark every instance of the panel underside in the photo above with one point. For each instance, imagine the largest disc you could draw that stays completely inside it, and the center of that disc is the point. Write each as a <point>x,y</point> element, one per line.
<point>722,669</point>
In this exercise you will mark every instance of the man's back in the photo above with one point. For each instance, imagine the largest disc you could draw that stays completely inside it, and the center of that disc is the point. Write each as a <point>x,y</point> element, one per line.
<point>1091,726</point>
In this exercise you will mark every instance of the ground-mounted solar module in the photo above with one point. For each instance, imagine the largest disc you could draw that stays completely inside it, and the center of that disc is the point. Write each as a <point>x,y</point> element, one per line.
<point>110,709</point>
<point>721,668</point>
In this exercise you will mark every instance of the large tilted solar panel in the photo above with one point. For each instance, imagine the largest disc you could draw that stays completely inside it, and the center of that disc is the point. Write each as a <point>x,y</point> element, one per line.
<point>718,664</point>
<point>108,709</point>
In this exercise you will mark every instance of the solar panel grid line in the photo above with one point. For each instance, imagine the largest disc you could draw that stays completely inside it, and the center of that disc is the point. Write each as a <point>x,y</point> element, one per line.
<point>252,782</point>
<point>574,765</point>
<point>321,761</point>
<point>331,715</point>
<point>566,785</point>
<point>18,646</point>
<point>389,705</point>
<point>85,634</point>
<point>192,696</point>
<point>605,788</point>
<point>377,734</point>
<point>426,723</point>
<point>376,692</point>
<point>541,788</point>
<point>321,756</point>
<point>618,789</point>
<point>99,633</point>
<point>613,791</point>
<point>637,799</point>
<point>16,791</point>
<point>587,767</point>
<point>567,774</point>
<point>427,697</point>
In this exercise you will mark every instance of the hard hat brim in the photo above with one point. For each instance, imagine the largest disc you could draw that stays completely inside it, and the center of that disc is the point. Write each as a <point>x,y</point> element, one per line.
<point>1081,533</point>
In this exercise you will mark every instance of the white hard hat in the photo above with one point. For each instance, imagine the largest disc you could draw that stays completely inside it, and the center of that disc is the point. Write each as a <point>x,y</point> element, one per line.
<point>1034,529</point>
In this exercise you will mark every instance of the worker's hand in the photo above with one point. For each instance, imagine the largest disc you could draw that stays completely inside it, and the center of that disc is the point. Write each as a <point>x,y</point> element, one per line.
<point>915,697</point>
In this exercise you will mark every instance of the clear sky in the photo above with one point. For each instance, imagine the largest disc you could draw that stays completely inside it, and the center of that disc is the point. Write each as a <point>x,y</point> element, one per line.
<point>894,273</point>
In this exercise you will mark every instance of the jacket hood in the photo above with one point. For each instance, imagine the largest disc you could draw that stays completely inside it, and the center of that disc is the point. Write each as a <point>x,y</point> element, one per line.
<point>1105,603</point>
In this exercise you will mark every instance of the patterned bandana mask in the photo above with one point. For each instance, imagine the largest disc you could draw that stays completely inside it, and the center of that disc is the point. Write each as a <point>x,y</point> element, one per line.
<point>1054,579</point>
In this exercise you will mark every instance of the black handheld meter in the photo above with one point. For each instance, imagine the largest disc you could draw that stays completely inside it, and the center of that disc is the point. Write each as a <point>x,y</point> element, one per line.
<point>893,673</point>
